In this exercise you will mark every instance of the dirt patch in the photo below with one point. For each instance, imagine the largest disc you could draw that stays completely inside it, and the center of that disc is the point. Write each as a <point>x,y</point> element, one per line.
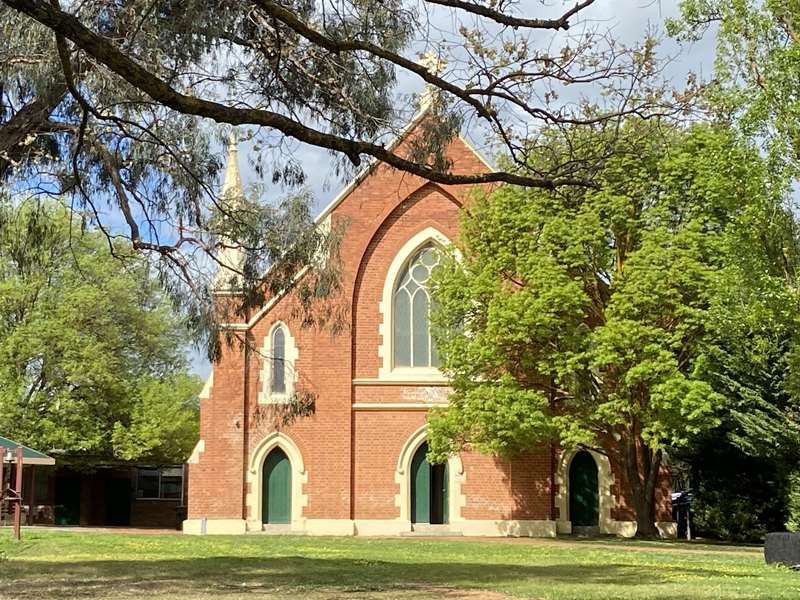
<point>453,594</point>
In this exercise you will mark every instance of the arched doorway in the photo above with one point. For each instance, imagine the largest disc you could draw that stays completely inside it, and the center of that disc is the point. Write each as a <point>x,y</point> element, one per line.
<point>429,493</point>
<point>276,496</point>
<point>583,491</point>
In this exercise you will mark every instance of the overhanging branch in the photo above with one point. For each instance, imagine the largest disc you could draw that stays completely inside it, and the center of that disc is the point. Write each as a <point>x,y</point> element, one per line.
<point>495,15</point>
<point>103,51</point>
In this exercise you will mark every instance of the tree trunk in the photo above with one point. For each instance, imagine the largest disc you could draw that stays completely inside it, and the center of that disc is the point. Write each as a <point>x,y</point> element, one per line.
<point>642,466</point>
<point>645,517</point>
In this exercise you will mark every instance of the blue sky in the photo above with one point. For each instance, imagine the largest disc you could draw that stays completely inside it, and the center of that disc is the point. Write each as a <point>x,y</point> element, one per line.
<point>628,20</point>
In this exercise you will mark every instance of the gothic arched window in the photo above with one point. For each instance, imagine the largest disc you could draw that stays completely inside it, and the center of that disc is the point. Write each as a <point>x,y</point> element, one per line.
<point>278,370</point>
<point>413,345</point>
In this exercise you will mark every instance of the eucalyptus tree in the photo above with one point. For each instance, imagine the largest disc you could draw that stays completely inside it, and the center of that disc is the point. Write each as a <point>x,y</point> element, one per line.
<point>115,102</point>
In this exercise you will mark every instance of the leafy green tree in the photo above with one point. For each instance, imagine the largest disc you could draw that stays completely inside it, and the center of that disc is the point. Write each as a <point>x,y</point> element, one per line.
<point>582,316</point>
<point>755,85</point>
<point>163,421</point>
<point>742,470</point>
<point>91,351</point>
<point>755,89</point>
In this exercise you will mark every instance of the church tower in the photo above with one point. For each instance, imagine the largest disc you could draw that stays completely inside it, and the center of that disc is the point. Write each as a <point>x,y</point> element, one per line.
<point>231,255</point>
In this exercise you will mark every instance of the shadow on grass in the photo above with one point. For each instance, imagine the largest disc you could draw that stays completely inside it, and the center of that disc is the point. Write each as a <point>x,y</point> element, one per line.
<point>298,575</point>
<point>676,544</point>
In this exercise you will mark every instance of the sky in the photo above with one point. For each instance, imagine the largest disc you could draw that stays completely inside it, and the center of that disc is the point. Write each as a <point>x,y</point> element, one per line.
<point>627,20</point>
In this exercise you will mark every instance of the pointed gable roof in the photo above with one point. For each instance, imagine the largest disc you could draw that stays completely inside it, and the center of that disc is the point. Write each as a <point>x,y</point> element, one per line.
<point>359,178</point>
<point>374,163</point>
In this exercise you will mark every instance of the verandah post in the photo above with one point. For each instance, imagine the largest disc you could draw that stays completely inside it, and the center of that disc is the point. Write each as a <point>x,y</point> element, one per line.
<point>2,478</point>
<point>18,492</point>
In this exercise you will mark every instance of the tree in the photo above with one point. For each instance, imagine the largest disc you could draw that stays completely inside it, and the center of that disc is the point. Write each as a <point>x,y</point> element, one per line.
<point>582,316</point>
<point>742,471</point>
<point>754,86</point>
<point>163,421</point>
<point>754,89</point>
<point>113,102</point>
<point>91,350</point>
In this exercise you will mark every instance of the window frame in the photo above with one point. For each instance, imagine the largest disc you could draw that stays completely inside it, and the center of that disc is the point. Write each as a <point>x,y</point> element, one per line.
<point>407,269</point>
<point>274,359</point>
<point>387,371</point>
<point>160,470</point>
<point>266,395</point>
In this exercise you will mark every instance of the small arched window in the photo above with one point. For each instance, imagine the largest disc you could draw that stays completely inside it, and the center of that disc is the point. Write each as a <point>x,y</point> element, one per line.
<point>413,345</point>
<point>278,370</point>
<point>278,359</point>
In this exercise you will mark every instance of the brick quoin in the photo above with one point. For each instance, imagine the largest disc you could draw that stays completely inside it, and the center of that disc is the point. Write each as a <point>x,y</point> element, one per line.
<point>350,455</point>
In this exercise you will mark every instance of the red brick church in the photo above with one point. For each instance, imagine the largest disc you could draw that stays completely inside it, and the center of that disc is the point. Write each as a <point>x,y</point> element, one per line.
<point>357,466</point>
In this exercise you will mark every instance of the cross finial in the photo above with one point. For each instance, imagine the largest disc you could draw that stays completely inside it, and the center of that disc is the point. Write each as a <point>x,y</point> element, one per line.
<point>433,62</point>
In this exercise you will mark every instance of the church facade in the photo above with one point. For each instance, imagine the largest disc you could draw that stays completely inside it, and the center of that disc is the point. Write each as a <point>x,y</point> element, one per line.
<point>357,465</point>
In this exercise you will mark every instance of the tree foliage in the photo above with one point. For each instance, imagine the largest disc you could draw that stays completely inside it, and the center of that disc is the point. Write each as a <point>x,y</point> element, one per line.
<point>584,316</point>
<point>92,354</point>
<point>742,471</point>
<point>755,84</point>
<point>754,89</point>
<point>115,103</point>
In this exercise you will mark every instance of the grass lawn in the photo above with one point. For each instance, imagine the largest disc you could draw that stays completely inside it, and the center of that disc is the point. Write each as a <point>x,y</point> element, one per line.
<point>64,565</point>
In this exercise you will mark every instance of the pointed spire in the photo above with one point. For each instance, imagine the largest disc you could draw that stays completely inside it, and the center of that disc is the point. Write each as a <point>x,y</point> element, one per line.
<point>231,255</point>
<point>232,183</point>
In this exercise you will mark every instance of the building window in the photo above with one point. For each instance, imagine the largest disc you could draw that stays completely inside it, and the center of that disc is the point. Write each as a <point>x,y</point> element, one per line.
<point>278,359</point>
<point>160,484</point>
<point>413,345</point>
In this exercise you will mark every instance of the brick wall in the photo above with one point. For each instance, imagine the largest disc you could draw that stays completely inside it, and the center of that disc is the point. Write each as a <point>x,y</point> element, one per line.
<point>351,456</point>
<point>216,488</point>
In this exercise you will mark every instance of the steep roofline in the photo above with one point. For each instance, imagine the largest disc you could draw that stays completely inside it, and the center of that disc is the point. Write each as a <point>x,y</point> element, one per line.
<point>361,175</point>
<point>337,200</point>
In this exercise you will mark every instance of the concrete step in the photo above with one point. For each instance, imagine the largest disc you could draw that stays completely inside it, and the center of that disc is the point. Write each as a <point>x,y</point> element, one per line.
<point>584,531</point>
<point>278,529</point>
<point>429,530</point>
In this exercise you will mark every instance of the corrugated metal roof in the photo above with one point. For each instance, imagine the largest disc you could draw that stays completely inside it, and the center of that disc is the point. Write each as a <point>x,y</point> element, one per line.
<point>29,455</point>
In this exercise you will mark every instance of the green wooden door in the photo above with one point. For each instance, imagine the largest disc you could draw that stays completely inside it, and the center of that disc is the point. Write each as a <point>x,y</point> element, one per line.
<point>276,494</point>
<point>429,493</point>
<point>439,494</point>
<point>583,500</point>
<point>420,486</point>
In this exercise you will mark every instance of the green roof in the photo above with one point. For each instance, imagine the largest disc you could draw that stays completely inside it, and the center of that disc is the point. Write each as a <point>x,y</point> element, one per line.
<point>29,455</point>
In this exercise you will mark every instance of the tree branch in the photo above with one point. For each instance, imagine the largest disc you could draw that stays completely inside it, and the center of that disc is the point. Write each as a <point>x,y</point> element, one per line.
<point>30,118</point>
<point>484,11</point>
<point>290,19</point>
<point>109,55</point>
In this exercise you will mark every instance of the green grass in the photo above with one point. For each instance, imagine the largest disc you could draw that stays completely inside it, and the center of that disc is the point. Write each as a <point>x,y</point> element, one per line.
<point>64,565</point>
